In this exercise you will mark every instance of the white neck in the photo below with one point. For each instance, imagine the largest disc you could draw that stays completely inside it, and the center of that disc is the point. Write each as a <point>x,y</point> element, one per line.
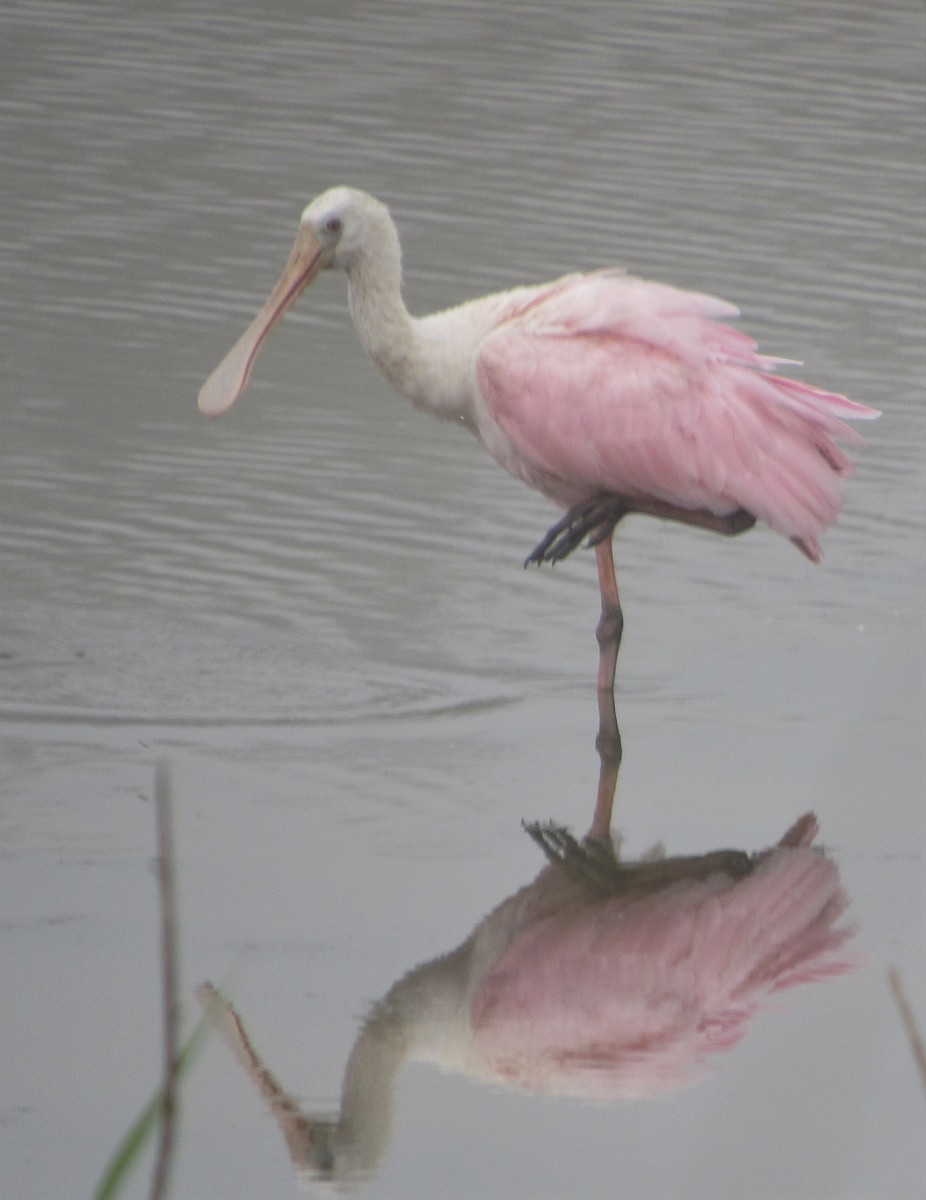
<point>384,325</point>
<point>422,359</point>
<point>419,1011</point>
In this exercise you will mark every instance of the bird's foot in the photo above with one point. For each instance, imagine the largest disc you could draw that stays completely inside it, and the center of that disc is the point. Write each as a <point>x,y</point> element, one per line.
<point>592,863</point>
<point>594,519</point>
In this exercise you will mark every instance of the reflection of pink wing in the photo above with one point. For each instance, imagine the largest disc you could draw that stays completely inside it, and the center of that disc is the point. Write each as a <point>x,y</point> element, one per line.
<point>630,996</point>
<point>610,383</point>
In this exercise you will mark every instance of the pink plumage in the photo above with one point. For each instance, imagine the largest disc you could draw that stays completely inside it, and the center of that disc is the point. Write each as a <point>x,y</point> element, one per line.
<point>631,994</point>
<point>607,393</point>
<point>606,383</point>
<point>589,384</point>
<point>600,979</point>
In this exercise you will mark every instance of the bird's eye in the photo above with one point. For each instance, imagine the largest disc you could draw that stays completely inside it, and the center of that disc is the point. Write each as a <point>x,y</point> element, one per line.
<point>333,225</point>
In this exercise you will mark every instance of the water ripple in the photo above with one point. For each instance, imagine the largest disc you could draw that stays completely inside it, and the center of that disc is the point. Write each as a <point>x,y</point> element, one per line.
<point>156,162</point>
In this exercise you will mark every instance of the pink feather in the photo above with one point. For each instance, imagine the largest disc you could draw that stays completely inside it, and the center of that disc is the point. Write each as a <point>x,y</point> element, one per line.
<point>603,382</point>
<point>632,994</point>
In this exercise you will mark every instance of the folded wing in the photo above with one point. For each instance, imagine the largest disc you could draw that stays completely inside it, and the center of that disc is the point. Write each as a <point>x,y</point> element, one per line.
<point>610,383</point>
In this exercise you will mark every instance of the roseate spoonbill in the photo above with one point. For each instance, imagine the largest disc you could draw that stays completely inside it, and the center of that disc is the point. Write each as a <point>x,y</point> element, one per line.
<point>609,394</point>
<point>600,979</point>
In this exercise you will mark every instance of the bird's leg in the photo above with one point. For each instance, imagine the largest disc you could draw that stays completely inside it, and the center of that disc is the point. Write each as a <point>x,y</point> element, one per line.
<point>608,742</point>
<point>597,520</point>
<point>611,623</point>
<point>597,517</point>
<point>730,524</point>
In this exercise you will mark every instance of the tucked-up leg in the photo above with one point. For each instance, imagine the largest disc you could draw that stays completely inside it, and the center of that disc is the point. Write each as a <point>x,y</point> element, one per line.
<point>596,519</point>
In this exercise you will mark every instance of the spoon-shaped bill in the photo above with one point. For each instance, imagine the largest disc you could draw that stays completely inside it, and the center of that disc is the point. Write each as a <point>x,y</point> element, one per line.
<point>230,378</point>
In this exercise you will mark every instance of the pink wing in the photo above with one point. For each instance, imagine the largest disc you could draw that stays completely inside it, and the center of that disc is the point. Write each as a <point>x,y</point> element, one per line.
<point>641,992</point>
<point>609,383</point>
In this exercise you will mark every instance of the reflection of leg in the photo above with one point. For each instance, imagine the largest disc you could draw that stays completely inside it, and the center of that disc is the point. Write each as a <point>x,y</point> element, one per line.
<point>608,633</point>
<point>595,866</point>
<point>608,744</point>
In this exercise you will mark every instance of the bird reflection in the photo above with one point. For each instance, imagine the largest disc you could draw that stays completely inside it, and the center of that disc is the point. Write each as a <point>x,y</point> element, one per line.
<point>602,978</point>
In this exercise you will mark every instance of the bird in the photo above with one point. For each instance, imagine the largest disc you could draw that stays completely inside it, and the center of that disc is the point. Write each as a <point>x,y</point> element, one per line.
<point>601,979</point>
<point>608,393</point>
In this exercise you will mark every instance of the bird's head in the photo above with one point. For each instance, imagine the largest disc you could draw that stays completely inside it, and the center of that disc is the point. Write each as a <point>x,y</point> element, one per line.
<point>344,223</point>
<point>337,230</point>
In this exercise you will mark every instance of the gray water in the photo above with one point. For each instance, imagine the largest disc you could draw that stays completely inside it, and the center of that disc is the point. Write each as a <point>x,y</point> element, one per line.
<point>314,609</point>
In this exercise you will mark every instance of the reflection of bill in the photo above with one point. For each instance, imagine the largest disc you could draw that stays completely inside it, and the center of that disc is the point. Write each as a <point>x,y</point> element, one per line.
<point>600,979</point>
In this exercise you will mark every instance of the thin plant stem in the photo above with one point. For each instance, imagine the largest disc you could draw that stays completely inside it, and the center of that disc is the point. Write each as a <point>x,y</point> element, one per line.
<point>171,1007</point>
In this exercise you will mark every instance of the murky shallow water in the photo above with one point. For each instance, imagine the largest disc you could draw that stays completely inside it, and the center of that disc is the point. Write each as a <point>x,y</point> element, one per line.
<point>314,609</point>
